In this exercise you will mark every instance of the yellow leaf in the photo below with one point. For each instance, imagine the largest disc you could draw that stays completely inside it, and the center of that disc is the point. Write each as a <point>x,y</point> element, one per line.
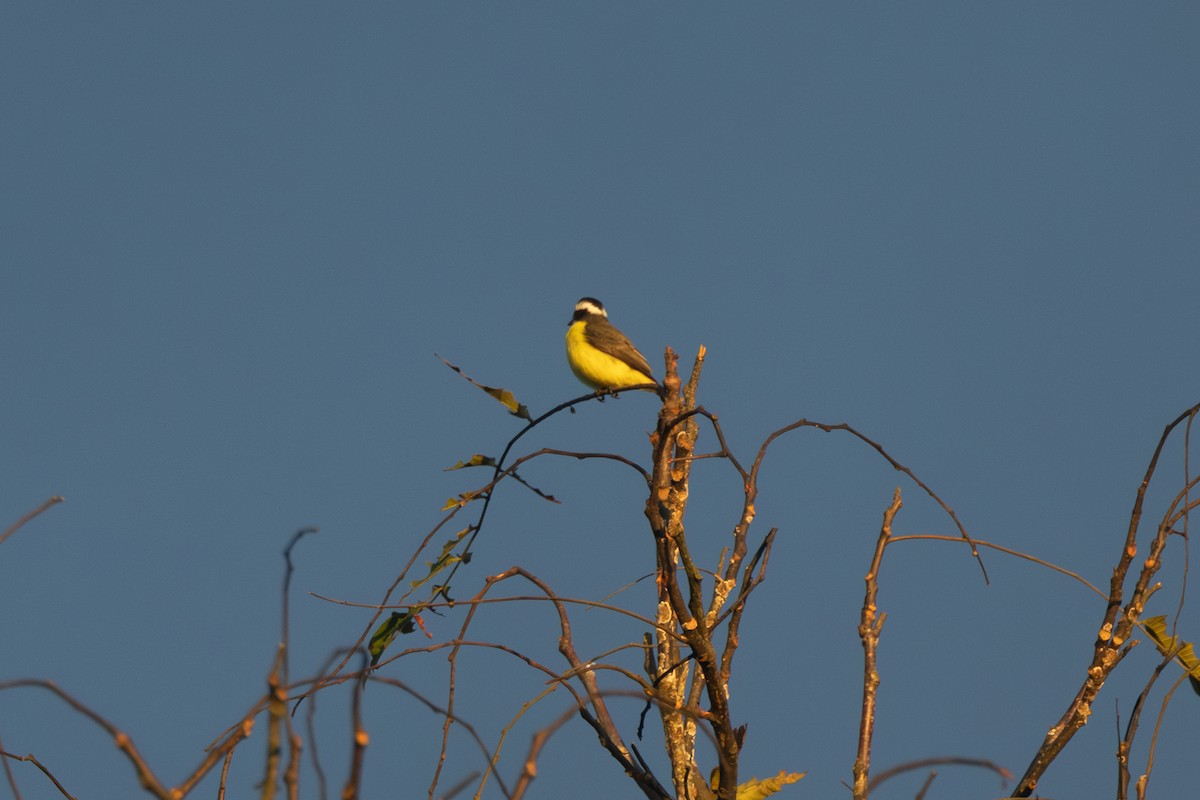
<point>755,789</point>
<point>476,460</point>
<point>460,501</point>
<point>1185,652</point>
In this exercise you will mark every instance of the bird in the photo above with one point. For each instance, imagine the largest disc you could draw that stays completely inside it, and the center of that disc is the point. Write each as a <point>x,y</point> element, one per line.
<point>600,355</point>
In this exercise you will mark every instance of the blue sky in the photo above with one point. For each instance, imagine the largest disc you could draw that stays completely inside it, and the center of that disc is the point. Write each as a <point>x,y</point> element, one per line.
<point>235,236</point>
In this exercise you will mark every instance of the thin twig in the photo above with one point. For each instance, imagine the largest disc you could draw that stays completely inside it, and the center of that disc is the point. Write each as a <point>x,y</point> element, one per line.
<point>8,774</point>
<point>125,743</point>
<point>529,767</point>
<point>224,775</point>
<point>462,723</point>
<point>360,737</point>
<point>1162,713</point>
<point>937,537</point>
<point>29,758</point>
<point>896,465</point>
<point>925,763</point>
<point>1125,744</point>
<point>11,529</point>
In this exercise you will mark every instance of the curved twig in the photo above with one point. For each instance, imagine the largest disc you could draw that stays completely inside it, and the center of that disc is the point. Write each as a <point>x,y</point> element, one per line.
<point>923,763</point>
<point>11,529</point>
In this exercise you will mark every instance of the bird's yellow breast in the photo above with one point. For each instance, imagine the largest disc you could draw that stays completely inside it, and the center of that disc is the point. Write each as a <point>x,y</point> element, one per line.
<point>597,368</point>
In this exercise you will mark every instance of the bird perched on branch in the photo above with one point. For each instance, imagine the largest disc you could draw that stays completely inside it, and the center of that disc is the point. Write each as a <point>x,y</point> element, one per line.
<point>600,355</point>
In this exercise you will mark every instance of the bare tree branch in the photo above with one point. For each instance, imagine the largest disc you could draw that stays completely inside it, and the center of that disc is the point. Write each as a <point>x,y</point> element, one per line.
<point>1119,619</point>
<point>869,627</point>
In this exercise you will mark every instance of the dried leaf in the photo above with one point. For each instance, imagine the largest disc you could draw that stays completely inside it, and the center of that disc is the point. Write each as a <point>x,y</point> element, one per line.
<point>504,396</point>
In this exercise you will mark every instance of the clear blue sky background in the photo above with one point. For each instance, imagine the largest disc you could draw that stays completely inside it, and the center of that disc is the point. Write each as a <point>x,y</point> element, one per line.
<point>233,237</point>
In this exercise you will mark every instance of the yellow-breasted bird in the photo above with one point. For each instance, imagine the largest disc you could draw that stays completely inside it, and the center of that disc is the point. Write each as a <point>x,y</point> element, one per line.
<point>599,354</point>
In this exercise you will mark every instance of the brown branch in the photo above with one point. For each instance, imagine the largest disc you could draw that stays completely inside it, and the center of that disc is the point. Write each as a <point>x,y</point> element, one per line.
<point>556,678</point>
<point>11,529</point>
<point>670,672</point>
<point>501,471</point>
<point>509,599</point>
<point>125,744</point>
<point>360,737</point>
<point>529,767</point>
<point>31,759</point>
<point>1119,618</point>
<point>452,658</point>
<point>1125,745</point>
<point>750,582</point>
<point>485,492</point>
<point>467,726</point>
<point>224,775</point>
<point>673,442</point>
<point>924,790</point>
<point>8,774</point>
<point>276,713</point>
<point>899,769</point>
<point>463,783</point>
<point>460,643</point>
<point>584,672</point>
<point>937,537</point>
<point>370,626</point>
<point>1162,713</point>
<point>1183,513</point>
<point>896,465</point>
<point>869,627</point>
<point>289,568</point>
<point>280,678</point>
<point>310,726</point>
<point>549,451</point>
<point>122,740</point>
<point>724,452</point>
<point>291,776</point>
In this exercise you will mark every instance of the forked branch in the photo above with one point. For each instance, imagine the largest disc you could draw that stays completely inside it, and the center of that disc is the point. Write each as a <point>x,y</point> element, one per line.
<point>1120,616</point>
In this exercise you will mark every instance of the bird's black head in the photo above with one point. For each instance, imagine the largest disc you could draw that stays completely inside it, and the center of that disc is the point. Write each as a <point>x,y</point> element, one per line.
<point>588,306</point>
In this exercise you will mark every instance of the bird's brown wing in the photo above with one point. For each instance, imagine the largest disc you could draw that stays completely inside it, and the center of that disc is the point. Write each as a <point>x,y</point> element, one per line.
<point>602,335</point>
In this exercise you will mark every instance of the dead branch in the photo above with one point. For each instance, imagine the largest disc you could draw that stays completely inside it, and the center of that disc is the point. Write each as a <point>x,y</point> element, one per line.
<point>869,627</point>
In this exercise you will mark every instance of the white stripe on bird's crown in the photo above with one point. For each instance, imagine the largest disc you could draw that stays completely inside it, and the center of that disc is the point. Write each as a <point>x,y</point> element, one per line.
<point>592,306</point>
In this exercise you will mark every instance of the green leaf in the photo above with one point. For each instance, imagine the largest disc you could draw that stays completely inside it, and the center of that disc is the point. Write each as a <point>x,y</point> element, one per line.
<point>1167,644</point>
<point>386,633</point>
<point>446,557</point>
<point>504,396</point>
